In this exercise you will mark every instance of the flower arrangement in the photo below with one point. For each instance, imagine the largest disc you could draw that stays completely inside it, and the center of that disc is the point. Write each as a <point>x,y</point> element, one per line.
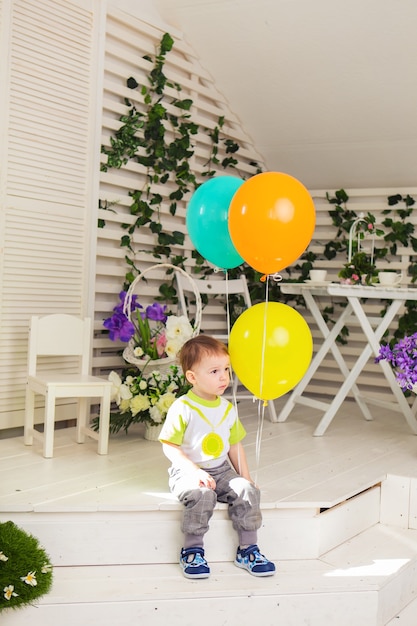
<point>25,568</point>
<point>155,333</point>
<point>360,269</point>
<point>144,398</point>
<point>403,358</point>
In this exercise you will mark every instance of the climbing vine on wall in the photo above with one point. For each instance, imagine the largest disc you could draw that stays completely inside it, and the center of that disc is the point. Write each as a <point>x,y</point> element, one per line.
<point>158,132</point>
<point>396,230</point>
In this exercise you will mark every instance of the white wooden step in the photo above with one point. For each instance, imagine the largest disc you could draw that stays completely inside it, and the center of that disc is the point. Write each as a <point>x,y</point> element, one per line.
<point>364,582</point>
<point>406,617</point>
<point>154,536</point>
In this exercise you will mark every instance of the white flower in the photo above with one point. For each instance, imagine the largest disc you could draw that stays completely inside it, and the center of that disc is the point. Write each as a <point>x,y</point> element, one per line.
<point>173,347</point>
<point>138,352</point>
<point>143,385</point>
<point>3,557</point>
<point>30,579</point>
<point>139,403</point>
<point>124,405</point>
<point>120,391</point>
<point>46,568</point>
<point>156,414</point>
<point>9,592</point>
<point>165,402</point>
<point>178,327</point>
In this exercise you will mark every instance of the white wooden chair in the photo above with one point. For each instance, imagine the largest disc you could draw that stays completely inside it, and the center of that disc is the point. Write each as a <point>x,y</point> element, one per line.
<point>64,341</point>
<point>222,288</point>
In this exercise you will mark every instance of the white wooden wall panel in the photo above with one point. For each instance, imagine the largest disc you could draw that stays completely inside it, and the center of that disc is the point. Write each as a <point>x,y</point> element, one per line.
<point>127,40</point>
<point>46,192</point>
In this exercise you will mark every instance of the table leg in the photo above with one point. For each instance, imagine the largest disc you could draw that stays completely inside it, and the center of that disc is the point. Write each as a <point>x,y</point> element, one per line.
<point>373,337</point>
<point>315,363</point>
<point>336,353</point>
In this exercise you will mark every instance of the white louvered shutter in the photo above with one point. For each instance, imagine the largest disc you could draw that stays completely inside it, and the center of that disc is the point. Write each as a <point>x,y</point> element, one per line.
<point>46,186</point>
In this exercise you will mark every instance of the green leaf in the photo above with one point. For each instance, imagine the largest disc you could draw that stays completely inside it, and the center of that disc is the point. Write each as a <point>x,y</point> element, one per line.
<point>132,83</point>
<point>185,105</point>
<point>167,43</point>
<point>125,241</point>
<point>178,237</point>
<point>155,227</point>
<point>395,199</point>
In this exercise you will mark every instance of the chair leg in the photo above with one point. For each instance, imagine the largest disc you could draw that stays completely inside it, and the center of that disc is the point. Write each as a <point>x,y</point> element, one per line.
<point>83,405</point>
<point>29,416</point>
<point>103,435</point>
<point>272,412</point>
<point>49,425</point>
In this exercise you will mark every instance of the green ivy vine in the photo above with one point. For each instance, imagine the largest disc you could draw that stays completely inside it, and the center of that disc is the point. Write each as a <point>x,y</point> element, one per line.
<point>159,136</point>
<point>397,231</point>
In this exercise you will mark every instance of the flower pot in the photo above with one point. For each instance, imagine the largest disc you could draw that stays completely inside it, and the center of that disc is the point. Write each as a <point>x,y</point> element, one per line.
<point>152,432</point>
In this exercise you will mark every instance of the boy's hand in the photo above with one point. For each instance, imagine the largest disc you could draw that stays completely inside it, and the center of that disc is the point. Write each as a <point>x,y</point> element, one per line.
<point>205,480</point>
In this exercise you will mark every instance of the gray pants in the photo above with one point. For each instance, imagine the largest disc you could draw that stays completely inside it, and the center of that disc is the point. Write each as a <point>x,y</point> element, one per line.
<point>241,495</point>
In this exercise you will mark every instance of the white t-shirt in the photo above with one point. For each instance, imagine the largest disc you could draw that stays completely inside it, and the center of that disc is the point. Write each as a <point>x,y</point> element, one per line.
<point>203,429</point>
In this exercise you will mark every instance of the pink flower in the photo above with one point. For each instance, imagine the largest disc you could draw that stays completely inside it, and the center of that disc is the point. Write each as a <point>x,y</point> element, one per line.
<point>161,342</point>
<point>355,277</point>
<point>370,226</point>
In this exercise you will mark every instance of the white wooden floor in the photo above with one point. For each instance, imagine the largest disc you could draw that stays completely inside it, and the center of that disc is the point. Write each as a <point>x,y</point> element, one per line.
<point>292,467</point>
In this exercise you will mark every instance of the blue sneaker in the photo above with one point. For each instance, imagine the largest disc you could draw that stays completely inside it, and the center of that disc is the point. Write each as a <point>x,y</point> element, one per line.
<point>193,563</point>
<point>256,563</point>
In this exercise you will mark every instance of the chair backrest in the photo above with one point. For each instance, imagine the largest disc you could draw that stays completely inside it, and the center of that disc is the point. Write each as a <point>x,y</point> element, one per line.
<point>60,335</point>
<point>217,291</point>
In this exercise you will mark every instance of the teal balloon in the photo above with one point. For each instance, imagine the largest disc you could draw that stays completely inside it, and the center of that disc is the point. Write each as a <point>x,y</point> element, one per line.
<point>207,220</point>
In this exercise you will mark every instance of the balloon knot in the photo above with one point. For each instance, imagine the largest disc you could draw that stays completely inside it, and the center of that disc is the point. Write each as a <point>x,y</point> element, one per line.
<point>275,277</point>
<point>265,403</point>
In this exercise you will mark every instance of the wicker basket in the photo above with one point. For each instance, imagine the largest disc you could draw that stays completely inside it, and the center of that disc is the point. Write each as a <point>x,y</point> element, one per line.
<point>162,365</point>
<point>152,432</point>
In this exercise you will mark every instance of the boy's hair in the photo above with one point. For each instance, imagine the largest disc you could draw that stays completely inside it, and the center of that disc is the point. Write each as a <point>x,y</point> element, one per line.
<point>196,348</point>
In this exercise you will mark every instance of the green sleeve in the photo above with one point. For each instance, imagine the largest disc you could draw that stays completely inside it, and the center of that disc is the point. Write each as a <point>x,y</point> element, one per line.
<point>174,428</point>
<point>237,432</point>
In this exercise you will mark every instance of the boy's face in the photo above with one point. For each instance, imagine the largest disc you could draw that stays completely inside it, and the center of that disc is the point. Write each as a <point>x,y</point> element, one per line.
<point>211,376</point>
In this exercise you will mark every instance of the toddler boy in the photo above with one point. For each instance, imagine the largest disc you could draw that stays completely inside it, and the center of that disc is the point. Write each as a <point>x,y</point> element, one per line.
<point>202,438</point>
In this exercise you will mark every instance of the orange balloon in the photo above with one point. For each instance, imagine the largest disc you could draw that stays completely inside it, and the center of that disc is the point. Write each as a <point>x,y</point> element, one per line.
<point>271,221</point>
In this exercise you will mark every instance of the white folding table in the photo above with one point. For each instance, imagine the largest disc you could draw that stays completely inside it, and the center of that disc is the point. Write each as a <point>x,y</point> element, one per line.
<point>373,329</point>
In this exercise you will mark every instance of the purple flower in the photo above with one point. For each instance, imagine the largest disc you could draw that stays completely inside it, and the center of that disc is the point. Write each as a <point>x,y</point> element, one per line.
<point>403,358</point>
<point>134,304</point>
<point>156,312</point>
<point>119,327</point>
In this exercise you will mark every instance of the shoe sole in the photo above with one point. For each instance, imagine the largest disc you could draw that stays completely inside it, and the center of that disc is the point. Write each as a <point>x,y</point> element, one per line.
<point>257,574</point>
<point>191,576</point>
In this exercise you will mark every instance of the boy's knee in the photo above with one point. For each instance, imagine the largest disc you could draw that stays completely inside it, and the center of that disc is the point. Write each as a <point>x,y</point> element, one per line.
<point>203,495</point>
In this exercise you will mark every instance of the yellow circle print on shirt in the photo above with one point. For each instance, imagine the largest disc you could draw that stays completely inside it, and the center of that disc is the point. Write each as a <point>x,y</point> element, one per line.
<point>212,445</point>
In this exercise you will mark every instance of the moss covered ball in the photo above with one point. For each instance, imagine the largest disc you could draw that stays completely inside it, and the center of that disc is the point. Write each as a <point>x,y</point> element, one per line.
<point>25,568</point>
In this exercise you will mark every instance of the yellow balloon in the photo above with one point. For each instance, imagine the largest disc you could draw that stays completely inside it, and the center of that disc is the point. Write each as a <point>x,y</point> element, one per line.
<point>270,349</point>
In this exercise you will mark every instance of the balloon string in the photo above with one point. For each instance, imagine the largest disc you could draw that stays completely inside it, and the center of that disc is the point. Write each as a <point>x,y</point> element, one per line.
<point>261,381</point>
<point>234,396</point>
<point>261,415</point>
